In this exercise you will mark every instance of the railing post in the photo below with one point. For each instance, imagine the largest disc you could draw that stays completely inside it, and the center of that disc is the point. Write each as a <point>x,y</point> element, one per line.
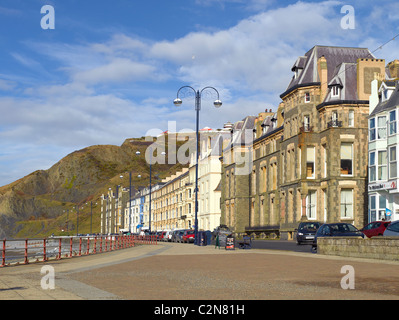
<point>70,248</point>
<point>44,250</point>
<point>3,255</point>
<point>59,248</point>
<point>26,252</point>
<point>95,245</point>
<point>88,245</point>
<point>80,246</point>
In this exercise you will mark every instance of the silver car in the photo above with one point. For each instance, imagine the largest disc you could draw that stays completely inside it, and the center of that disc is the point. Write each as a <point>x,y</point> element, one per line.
<point>392,229</point>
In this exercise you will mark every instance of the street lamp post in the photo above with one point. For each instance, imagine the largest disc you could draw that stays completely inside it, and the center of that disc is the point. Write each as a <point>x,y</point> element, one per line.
<point>217,103</point>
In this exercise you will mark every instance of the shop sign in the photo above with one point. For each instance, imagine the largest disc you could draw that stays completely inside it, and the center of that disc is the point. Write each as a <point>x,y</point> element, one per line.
<point>383,186</point>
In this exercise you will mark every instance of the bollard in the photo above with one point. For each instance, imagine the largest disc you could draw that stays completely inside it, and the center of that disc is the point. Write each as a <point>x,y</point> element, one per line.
<point>80,246</point>
<point>95,245</point>
<point>88,245</point>
<point>70,249</point>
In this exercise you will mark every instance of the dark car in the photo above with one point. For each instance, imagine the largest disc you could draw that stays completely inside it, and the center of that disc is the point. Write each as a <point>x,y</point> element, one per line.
<point>375,228</point>
<point>340,229</point>
<point>306,232</point>
<point>179,236</point>
<point>392,229</point>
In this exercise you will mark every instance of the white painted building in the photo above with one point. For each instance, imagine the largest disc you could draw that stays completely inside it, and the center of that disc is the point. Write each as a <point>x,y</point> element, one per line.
<point>383,191</point>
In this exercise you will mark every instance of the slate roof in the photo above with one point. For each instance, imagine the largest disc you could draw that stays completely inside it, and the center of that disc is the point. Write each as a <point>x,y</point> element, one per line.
<point>335,57</point>
<point>389,104</point>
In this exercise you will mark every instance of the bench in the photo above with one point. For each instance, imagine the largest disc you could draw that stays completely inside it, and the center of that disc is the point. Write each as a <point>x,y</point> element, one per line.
<point>246,243</point>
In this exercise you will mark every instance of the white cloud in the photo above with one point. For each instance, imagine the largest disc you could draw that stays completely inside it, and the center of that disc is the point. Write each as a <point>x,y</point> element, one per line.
<point>102,94</point>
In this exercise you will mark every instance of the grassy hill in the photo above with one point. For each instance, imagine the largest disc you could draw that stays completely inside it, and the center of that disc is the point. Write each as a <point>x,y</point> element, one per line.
<point>42,202</point>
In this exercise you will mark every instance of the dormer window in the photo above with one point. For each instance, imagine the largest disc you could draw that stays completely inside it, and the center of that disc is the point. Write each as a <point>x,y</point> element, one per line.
<point>335,91</point>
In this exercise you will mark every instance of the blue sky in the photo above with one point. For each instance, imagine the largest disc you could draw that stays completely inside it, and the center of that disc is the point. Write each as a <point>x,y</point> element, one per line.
<point>111,69</point>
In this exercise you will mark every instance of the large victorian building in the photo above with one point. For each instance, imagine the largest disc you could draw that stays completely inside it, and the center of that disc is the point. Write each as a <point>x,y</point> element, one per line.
<point>310,157</point>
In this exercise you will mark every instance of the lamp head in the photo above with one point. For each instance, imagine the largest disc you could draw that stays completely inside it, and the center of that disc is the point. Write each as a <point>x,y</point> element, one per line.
<point>217,103</point>
<point>177,102</point>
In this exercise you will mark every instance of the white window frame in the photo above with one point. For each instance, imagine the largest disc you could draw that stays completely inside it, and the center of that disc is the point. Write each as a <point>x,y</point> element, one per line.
<point>381,130</point>
<point>372,129</point>
<point>314,162</point>
<point>381,165</point>
<point>373,209</point>
<point>351,169</point>
<point>335,91</point>
<point>311,208</point>
<point>373,166</point>
<point>346,204</point>
<point>351,118</point>
<point>392,123</point>
<point>392,162</point>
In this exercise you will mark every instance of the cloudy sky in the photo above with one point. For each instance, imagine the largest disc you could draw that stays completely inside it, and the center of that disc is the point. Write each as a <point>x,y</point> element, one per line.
<point>109,70</point>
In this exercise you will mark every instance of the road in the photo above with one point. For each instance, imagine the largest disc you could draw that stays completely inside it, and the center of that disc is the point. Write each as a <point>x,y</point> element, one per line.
<point>285,245</point>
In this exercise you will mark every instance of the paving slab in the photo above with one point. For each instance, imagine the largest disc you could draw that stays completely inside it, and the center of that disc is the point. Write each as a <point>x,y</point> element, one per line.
<point>177,272</point>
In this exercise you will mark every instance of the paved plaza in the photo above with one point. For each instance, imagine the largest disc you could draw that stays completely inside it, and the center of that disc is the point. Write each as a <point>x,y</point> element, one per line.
<point>170,271</point>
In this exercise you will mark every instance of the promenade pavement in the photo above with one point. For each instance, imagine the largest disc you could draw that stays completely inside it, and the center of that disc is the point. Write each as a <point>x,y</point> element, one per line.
<point>169,271</point>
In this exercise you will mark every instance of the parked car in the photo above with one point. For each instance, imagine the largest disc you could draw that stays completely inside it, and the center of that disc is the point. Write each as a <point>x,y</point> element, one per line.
<point>306,232</point>
<point>392,229</point>
<point>161,235</point>
<point>340,229</point>
<point>375,228</point>
<point>167,236</point>
<point>158,235</point>
<point>188,236</point>
<point>179,236</point>
<point>175,237</point>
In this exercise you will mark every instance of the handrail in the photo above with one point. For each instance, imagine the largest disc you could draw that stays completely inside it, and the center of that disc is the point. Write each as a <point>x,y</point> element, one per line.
<point>25,251</point>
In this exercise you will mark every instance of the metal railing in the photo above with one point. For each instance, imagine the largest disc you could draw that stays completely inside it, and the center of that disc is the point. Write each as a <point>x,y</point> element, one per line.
<point>15,252</point>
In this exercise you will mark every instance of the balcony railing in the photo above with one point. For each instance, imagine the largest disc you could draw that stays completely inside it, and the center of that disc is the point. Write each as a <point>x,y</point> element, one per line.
<point>334,123</point>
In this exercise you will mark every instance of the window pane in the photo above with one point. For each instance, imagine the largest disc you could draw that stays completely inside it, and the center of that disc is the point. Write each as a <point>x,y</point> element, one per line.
<point>382,173</point>
<point>382,157</point>
<point>372,174</point>
<point>393,170</point>
<point>392,116</point>
<point>392,154</point>
<point>372,123</point>
<point>382,202</point>
<point>346,151</point>
<point>372,158</point>
<point>346,203</point>
<point>346,158</point>
<point>381,122</point>
<point>310,154</point>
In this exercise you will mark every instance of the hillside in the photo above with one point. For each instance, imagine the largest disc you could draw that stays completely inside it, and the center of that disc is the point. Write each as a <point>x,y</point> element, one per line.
<point>36,205</point>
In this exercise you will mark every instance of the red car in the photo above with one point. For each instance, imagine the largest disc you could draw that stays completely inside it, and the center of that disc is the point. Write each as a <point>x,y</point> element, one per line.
<point>375,228</point>
<point>188,236</point>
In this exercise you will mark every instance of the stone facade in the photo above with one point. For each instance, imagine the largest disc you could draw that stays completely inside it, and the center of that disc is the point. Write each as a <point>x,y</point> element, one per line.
<point>312,163</point>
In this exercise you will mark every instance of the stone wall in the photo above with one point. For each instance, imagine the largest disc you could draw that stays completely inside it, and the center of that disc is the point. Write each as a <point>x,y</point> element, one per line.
<point>383,248</point>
